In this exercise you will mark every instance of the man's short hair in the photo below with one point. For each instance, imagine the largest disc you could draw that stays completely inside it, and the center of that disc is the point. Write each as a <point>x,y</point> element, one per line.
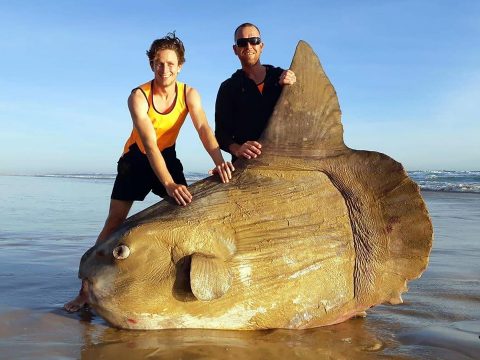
<point>242,26</point>
<point>169,42</point>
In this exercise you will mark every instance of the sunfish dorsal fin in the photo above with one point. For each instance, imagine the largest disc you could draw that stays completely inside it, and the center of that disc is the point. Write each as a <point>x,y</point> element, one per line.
<point>306,119</point>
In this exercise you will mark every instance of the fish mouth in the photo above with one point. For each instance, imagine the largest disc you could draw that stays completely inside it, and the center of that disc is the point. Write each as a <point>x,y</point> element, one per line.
<point>92,297</point>
<point>99,288</point>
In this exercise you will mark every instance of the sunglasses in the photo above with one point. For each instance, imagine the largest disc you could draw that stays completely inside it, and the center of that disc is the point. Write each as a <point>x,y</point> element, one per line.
<point>242,42</point>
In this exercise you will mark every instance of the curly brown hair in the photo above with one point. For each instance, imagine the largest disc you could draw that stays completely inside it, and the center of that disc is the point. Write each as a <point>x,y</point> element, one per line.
<point>170,42</point>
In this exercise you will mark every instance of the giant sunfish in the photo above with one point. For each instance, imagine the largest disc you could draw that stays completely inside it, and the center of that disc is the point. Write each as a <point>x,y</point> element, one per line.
<point>310,233</point>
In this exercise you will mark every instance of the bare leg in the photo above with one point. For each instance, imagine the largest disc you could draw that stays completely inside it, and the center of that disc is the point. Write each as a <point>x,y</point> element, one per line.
<point>117,214</point>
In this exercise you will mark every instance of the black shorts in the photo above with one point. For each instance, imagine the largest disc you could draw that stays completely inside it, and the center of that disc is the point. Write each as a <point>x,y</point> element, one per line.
<point>135,177</point>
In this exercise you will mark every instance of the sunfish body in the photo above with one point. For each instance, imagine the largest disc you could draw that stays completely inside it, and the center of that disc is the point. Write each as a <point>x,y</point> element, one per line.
<point>311,233</point>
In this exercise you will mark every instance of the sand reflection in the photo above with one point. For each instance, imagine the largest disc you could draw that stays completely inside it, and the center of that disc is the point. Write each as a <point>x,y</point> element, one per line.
<point>344,341</point>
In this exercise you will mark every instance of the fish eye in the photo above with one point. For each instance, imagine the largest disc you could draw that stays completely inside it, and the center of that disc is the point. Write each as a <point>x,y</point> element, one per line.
<point>121,252</point>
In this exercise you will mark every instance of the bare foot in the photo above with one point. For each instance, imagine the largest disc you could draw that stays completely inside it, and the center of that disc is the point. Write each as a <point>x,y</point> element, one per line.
<point>80,301</point>
<point>76,304</point>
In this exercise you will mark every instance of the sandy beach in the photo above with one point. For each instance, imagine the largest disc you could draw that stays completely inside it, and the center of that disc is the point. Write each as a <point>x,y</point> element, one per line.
<point>47,224</point>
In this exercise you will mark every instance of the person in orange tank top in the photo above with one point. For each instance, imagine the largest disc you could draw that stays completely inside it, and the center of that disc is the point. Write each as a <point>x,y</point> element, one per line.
<point>158,109</point>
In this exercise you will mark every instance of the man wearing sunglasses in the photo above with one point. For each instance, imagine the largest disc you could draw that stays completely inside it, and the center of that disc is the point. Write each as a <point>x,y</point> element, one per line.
<point>246,100</point>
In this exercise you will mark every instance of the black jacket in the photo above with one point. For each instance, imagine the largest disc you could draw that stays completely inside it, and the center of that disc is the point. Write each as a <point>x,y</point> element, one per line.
<point>241,111</point>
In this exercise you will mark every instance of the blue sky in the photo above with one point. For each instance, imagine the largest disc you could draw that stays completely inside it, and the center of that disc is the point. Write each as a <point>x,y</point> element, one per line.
<point>407,74</point>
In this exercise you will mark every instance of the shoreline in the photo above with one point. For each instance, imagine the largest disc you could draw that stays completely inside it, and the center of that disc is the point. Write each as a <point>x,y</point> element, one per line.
<point>193,177</point>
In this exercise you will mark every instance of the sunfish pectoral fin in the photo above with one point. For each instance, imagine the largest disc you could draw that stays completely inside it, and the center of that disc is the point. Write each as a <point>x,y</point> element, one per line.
<point>210,278</point>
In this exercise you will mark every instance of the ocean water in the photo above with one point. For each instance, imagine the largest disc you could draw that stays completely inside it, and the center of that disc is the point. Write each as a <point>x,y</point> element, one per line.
<point>433,180</point>
<point>447,181</point>
<point>47,222</point>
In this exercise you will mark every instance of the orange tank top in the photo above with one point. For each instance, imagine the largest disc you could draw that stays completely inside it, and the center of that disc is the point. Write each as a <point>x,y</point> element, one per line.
<point>167,125</point>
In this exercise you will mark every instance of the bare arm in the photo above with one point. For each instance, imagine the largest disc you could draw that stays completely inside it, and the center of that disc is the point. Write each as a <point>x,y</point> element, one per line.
<point>199,119</point>
<point>138,107</point>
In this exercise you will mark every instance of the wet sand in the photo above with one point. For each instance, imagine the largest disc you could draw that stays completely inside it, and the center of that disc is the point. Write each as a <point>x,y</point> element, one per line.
<point>44,232</point>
